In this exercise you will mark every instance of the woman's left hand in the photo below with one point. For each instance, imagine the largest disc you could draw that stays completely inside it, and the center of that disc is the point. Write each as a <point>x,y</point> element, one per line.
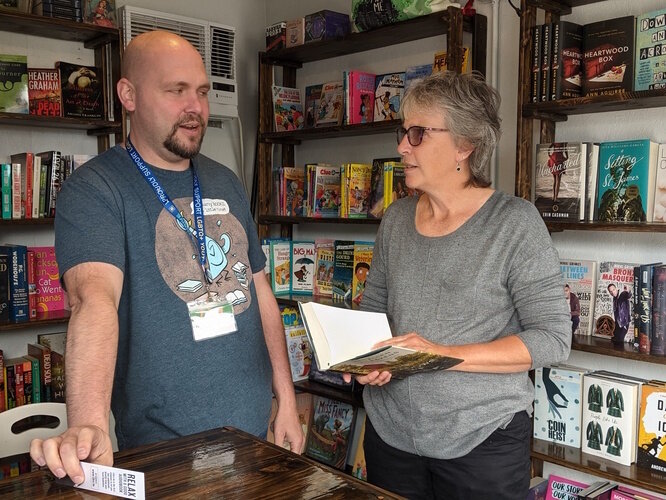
<point>410,340</point>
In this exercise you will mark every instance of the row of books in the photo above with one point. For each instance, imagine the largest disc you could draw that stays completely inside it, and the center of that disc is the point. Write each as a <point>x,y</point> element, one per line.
<point>29,283</point>
<point>333,431</point>
<point>315,27</point>
<point>100,12</point>
<point>351,190</point>
<point>605,57</point>
<point>606,414</point>
<point>68,90</point>
<point>324,267</point>
<point>615,181</point>
<point>603,295</point>
<point>562,488</point>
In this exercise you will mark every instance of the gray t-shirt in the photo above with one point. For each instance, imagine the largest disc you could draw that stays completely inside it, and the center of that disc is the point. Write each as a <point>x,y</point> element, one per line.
<point>496,275</point>
<point>167,384</point>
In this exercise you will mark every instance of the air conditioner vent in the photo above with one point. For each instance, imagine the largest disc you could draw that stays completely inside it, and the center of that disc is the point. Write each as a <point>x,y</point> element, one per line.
<point>222,52</point>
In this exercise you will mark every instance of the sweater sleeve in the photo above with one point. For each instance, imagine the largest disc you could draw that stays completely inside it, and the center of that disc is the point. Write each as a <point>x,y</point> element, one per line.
<point>375,295</point>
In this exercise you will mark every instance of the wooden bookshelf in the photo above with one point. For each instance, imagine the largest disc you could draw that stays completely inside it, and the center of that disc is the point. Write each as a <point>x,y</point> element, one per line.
<point>598,345</point>
<point>632,227</point>
<point>93,127</point>
<point>294,299</point>
<point>42,221</point>
<point>345,395</point>
<point>296,136</point>
<point>42,319</point>
<point>284,219</point>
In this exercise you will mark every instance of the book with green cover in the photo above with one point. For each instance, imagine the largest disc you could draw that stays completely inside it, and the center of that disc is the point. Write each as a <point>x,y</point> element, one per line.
<point>13,84</point>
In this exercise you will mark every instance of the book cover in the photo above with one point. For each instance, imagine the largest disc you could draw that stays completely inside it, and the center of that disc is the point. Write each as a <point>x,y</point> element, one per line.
<point>557,404</point>
<point>659,213</point>
<point>388,94</point>
<point>439,63</point>
<point>44,91</point>
<point>33,384</point>
<point>329,432</point>
<point>592,181</point>
<point>100,12</point>
<point>326,201</point>
<point>303,267</point>
<point>326,25</point>
<point>81,90</point>
<point>610,417</point>
<point>414,74</point>
<point>560,181</point>
<point>395,186</point>
<point>361,93</point>
<point>293,191</point>
<point>343,270</point>
<point>658,347</point>
<point>36,185</point>
<point>312,98</point>
<point>298,350</point>
<point>613,305</point>
<point>6,187</point>
<point>626,183</point>
<point>280,252</point>
<point>362,259</point>
<point>17,205</point>
<point>276,36</point>
<point>567,67</point>
<point>57,343</point>
<point>295,32</point>
<point>43,354</point>
<point>359,468</point>
<point>538,487</point>
<point>608,56</point>
<point>535,74</point>
<point>562,488</point>
<point>376,205</point>
<point>650,54</point>
<point>50,294</point>
<point>625,493</point>
<point>26,161</point>
<point>287,108</point>
<point>17,256</point>
<point>32,284</point>
<point>51,164</point>
<point>325,260</point>
<point>652,428</point>
<point>331,108</point>
<point>581,278</point>
<point>14,84</point>
<point>358,189</point>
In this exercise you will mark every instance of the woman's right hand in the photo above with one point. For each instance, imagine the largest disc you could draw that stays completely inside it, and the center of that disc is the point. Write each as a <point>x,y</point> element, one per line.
<point>372,378</point>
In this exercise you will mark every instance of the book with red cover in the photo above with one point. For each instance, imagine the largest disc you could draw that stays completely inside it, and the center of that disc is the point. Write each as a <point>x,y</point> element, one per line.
<point>44,92</point>
<point>50,295</point>
<point>361,95</point>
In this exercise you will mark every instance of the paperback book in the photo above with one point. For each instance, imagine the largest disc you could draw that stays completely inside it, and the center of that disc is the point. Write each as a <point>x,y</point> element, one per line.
<point>388,94</point>
<point>581,278</point>
<point>303,267</point>
<point>14,88</point>
<point>651,51</point>
<point>361,94</point>
<point>325,260</point>
<point>330,431</point>
<point>652,427</point>
<point>50,294</point>
<point>312,98</point>
<point>659,213</point>
<point>44,91</point>
<point>287,108</point>
<point>331,108</point>
<point>613,305</point>
<point>343,270</point>
<point>362,260</point>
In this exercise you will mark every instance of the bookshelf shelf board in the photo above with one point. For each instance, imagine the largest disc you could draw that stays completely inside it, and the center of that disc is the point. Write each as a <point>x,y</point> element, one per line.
<point>42,221</point>
<point>597,345</point>
<point>94,127</point>
<point>574,458</point>
<point>634,227</point>
<point>346,396</point>
<point>283,219</point>
<point>28,24</point>
<point>404,31</point>
<point>42,319</point>
<point>296,136</point>
<point>558,110</point>
<point>294,299</point>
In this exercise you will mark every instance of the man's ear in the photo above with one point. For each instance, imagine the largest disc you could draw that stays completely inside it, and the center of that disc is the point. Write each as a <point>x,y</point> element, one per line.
<point>126,94</point>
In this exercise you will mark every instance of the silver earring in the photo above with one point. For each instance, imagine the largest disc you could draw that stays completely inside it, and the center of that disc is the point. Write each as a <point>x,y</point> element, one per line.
<point>458,166</point>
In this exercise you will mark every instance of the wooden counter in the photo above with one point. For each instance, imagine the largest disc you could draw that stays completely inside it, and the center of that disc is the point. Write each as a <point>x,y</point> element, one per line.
<point>221,463</point>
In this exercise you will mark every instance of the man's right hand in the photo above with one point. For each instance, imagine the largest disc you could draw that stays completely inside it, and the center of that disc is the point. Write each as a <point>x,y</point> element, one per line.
<point>63,454</point>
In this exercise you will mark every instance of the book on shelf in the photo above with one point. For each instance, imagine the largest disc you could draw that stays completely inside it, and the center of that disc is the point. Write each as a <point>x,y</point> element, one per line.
<point>325,262</point>
<point>287,108</point>
<point>331,105</point>
<point>295,32</point>
<point>6,189</point>
<point>32,385</point>
<point>337,344</point>
<point>298,349</point>
<point>50,294</point>
<point>325,182</point>
<point>343,270</point>
<point>17,205</point>
<point>608,56</point>
<point>356,189</point>
<point>625,493</point>
<point>376,205</point>
<point>650,55</point>
<point>43,354</point>
<point>4,288</point>
<point>560,181</point>
<point>2,376</point>
<point>652,428</point>
<point>395,186</point>
<point>32,284</point>
<point>100,12</point>
<point>581,277</point>
<point>598,490</point>
<point>557,404</point>
<point>563,488</point>
<point>276,36</point>
<point>643,306</point>
<point>303,267</point>
<point>56,342</point>
<point>538,487</point>
<point>44,91</point>
<point>26,180</point>
<point>326,25</point>
<point>360,96</point>
<point>626,183</point>
<point>659,213</point>
<point>613,304</point>
<point>535,67</point>
<point>389,89</point>
<point>658,347</point>
<point>17,261</point>
<point>293,191</point>
<point>362,259</point>
<point>16,370</point>
<point>592,175</point>
<point>414,74</point>
<point>567,64</point>
<point>280,253</point>
<point>439,63</point>
<point>330,431</point>
<point>81,91</point>
<point>14,78</point>
<point>546,60</point>
<point>312,98</point>
<point>52,165</point>
<point>358,466</point>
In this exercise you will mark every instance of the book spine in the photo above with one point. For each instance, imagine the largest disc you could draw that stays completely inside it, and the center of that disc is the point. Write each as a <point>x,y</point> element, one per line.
<point>36,179</point>
<point>27,194</point>
<point>36,379</point>
<point>645,313</point>
<point>43,177</point>
<point>32,284</point>
<point>546,56</point>
<point>10,386</point>
<point>6,186</point>
<point>54,182</point>
<point>635,298</point>
<point>58,377</point>
<point>43,356</point>
<point>658,347</point>
<point>3,403</point>
<point>556,62</point>
<point>4,287</point>
<point>16,190</point>
<point>27,382</point>
<point>18,283</point>
<point>18,384</point>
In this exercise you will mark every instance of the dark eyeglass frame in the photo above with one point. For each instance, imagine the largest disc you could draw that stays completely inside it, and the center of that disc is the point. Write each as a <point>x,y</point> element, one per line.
<point>415,139</point>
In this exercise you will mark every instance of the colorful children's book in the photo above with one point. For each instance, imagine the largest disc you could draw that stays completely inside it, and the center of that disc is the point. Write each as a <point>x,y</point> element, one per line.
<point>325,260</point>
<point>562,488</point>
<point>50,294</point>
<point>659,212</point>
<point>331,105</point>
<point>415,73</point>
<point>303,267</point>
<point>287,108</point>
<point>326,191</point>
<point>343,270</point>
<point>298,350</point>
<point>439,63</point>
<point>312,98</point>
<point>280,252</point>
<point>329,433</point>
<point>293,191</point>
<point>581,278</point>
<point>613,304</point>
<point>388,94</point>
<point>14,88</point>
<point>652,429</point>
<point>358,177</point>
<point>361,96</point>
<point>100,12</point>
<point>357,454</point>
<point>376,205</point>
<point>362,259</point>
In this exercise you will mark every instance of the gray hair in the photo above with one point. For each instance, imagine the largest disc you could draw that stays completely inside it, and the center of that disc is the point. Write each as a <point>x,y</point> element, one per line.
<point>471,109</point>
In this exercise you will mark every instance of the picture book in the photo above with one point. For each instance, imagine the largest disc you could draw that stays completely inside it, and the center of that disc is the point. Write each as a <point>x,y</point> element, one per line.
<point>312,99</point>
<point>388,94</point>
<point>287,108</point>
<point>652,428</point>
<point>100,12</point>
<point>376,205</point>
<point>56,342</point>
<point>358,178</point>
<point>610,417</point>
<point>362,259</point>
<point>415,73</point>
<point>303,267</point>
<point>395,186</point>
<point>650,55</point>
<point>44,91</point>
<point>298,350</point>
<point>280,252</point>
<point>50,294</point>
<point>329,432</point>
<point>613,304</point>
<point>557,404</point>
<point>81,89</point>
<point>14,84</point>
<point>338,345</point>
<point>325,260</point>
<point>331,105</point>
<point>626,184</point>
<point>293,191</point>
<point>343,270</point>
<point>439,63</point>
<point>560,181</point>
<point>608,56</point>
<point>361,96</point>
<point>358,466</point>
<point>659,212</point>
<point>326,199</point>
<point>562,488</point>
<point>567,65</point>
<point>581,278</point>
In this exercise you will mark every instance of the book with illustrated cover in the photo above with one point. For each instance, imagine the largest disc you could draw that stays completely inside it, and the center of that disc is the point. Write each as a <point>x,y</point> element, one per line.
<point>303,267</point>
<point>395,186</point>
<point>17,262</point>
<point>44,91</point>
<point>287,108</point>
<point>343,270</point>
<point>652,430</point>
<point>331,105</point>
<point>557,404</point>
<point>100,12</point>
<point>376,205</point>
<point>50,294</point>
<point>535,68</point>
<point>81,91</point>
<point>650,55</point>
<point>276,36</point>
<point>414,74</point>
<point>14,84</point>
<point>581,278</point>
<point>567,66</point>
<point>563,488</point>
<point>56,342</point>
<point>362,260</point>
<point>626,180</point>
<point>359,469</point>
<point>439,63</point>
<point>330,431</point>
<point>280,253</point>
<point>338,345</point>
<point>388,94</point>
<point>325,261</point>
<point>357,189</point>
<point>326,191</point>
<point>298,350</point>
<point>312,98</point>
<point>613,304</point>
<point>293,191</point>
<point>361,96</point>
<point>659,212</point>
<point>560,181</point>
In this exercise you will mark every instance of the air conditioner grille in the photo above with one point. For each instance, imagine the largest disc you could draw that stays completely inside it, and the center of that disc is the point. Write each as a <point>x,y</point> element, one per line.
<point>222,62</point>
<point>140,23</point>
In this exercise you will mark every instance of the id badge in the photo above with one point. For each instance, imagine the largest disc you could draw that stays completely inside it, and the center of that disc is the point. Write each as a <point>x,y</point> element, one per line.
<point>211,316</point>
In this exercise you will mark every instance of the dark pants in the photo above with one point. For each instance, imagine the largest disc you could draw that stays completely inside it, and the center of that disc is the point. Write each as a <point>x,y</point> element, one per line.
<point>497,469</point>
<point>575,321</point>
<point>619,334</point>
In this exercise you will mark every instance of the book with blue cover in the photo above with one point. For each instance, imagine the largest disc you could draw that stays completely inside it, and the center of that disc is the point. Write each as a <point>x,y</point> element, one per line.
<point>650,55</point>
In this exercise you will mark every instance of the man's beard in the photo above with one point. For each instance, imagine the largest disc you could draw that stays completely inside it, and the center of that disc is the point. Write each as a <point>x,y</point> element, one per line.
<point>185,150</point>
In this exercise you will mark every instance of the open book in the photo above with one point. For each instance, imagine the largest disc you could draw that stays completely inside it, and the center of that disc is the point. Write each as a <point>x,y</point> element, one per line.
<point>342,341</point>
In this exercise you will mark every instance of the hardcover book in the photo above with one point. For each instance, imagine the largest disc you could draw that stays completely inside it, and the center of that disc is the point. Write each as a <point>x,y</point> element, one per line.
<point>535,74</point>
<point>4,289</point>
<point>326,25</point>
<point>546,60</point>
<point>592,181</point>
<point>303,267</point>
<point>43,354</point>
<point>44,91</point>
<point>100,12</point>
<point>50,294</point>
<point>361,95</point>
<point>56,342</point>
<point>17,261</point>
<point>652,429</point>
<point>362,259</point>
<point>325,258</point>
<point>343,270</point>
<point>626,183</point>
<point>13,84</point>
<point>658,347</point>
<point>389,89</point>
<point>330,431</point>
<point>293,191</point>
<point>287,108</point>
<point>280,252</point>
<point>557,404</point>
<point>82,91</point>
<point>608,56</point>
<point>581,277</point>
<point>312,98</point>
<point>613,305</point>
<point>359,469</point>
<point>567,67</point>
<point>650,51</point>
<point>331,105</point>
<point>560,180</point>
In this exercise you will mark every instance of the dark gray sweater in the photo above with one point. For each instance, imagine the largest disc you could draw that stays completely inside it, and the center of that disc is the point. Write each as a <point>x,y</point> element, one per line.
<point>496,275</point>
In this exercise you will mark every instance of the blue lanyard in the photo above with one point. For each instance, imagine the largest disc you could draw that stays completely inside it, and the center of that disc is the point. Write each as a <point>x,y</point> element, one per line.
<point>198,232</point>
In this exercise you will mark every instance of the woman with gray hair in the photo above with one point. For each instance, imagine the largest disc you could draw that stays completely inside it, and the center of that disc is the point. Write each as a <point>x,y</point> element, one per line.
<point>469,272</point>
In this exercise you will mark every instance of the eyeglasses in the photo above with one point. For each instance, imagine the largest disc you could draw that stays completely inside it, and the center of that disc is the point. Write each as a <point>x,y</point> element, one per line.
<point>415,133</point>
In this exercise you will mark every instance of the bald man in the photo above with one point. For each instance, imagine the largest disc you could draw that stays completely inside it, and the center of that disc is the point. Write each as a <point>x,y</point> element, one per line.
<point>151,239</point>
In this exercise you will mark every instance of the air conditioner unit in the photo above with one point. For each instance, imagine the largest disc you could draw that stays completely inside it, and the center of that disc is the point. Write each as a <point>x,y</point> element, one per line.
<point>215,42</point>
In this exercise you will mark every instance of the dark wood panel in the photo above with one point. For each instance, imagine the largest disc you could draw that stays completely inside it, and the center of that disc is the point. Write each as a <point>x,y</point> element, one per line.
<point>296,136</point>
<point>345,395</point>
<point>94,126</point>
<point>42,221</point>
<point>293,300</point>
<point>283,219</point>
<point>597,104</point>
<point>633,227</point>
<point>598,345</point>
<point>60,29</point>
<point>42,319</point>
